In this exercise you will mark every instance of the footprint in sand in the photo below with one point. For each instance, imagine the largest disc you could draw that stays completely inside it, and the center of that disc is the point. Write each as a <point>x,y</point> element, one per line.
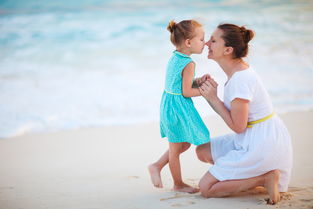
<point>294,189</point>
<point>176,205</point>
<point>133,177</point>
<point>183,204</point>
<point>178,195</point>
<point>9,187</point>
<point>286,196</point>
<point>297,197</point>
<point>306,200</point>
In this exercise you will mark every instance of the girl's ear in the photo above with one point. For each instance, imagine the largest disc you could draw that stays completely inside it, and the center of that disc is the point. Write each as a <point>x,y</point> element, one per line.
<point>228,50</point>
<point>187,43</point>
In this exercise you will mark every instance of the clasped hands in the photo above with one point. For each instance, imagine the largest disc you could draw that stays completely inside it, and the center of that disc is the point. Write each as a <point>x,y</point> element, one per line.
<point>207,86</point>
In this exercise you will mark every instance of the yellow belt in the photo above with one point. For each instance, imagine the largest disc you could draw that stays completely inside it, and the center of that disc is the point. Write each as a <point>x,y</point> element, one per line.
<point>172,93</point>
<point>251,123</point>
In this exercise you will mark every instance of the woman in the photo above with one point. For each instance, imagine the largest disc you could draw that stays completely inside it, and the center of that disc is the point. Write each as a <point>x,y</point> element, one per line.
<point>259,153</point>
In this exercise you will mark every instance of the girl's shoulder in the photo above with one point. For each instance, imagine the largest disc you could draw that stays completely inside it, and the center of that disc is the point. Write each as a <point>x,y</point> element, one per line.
<point>180,55</point>
<point>179,60</point>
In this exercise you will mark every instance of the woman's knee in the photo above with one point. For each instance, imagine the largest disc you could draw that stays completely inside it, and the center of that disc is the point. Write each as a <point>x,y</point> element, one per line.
<point>204,153</point>
<point>204,188</point>
<point>205,185</point>
<point>200,150</point>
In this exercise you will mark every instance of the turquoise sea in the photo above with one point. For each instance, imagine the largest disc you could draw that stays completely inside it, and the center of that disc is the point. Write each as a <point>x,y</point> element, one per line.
<point>72,64</point>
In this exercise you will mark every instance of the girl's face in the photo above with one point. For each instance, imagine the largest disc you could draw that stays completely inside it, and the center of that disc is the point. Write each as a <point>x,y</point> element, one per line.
<point>216,45</point>
<point>197,42</point>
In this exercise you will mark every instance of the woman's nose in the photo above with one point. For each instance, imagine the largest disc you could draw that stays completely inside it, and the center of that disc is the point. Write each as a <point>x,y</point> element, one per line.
<point>207,43</point>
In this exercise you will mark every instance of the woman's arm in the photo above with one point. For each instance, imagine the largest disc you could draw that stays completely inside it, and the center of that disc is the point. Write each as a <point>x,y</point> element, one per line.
<point>237,118</point>
<point>188,75</point>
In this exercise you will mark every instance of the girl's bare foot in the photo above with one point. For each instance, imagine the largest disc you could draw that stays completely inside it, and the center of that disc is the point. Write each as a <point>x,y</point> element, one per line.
<point>155,175</point>
<point>185,188</point>
<point>271,184</point>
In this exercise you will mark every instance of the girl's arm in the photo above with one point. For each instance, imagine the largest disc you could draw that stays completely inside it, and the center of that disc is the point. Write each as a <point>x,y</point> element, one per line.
<point>188,75</point>
<point>237,118</point>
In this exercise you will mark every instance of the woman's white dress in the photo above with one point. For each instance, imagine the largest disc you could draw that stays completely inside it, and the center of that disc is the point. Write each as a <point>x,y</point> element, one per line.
<point>264,147</point>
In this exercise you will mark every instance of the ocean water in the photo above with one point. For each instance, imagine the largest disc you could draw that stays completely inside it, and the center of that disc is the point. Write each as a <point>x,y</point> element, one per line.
<point>71,64</point>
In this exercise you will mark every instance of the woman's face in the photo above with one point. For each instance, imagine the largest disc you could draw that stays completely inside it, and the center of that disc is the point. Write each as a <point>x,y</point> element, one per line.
<point>216,45</point>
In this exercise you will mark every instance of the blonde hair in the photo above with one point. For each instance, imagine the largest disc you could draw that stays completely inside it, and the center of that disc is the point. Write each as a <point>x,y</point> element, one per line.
<point>182,30</point>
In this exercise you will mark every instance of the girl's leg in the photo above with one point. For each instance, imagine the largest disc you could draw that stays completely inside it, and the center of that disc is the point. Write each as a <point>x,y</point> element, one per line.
<point>155,170</point>
<point>174,153</point>
<point>156,167</point>
<point>211,187</point>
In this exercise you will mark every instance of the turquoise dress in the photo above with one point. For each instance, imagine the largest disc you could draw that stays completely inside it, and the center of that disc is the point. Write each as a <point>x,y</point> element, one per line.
<point>179,119</point>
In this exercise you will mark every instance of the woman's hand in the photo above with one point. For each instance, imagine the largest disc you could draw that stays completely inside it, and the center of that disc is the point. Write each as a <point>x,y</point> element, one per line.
<point>208,89</point>
<point>237,118</point>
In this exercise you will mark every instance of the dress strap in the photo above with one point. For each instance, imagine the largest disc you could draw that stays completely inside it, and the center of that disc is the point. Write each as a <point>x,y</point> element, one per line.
<point>251,123</point>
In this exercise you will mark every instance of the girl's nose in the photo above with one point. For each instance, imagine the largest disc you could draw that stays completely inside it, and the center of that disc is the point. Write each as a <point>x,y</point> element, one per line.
<point>207,43</point>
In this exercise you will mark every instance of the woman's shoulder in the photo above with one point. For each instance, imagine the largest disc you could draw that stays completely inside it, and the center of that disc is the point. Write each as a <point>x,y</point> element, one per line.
<point>242,78</point>
<point>247,75</point>
<point>242,84</point>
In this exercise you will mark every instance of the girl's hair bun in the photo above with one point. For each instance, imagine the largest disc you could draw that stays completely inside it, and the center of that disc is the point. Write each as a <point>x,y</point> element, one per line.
<point>171,26</point>
<point>181,31</point>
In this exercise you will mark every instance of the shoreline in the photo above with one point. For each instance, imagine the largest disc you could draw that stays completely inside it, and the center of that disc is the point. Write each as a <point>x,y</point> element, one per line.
<point>136,124</point>
<point>106,167</point>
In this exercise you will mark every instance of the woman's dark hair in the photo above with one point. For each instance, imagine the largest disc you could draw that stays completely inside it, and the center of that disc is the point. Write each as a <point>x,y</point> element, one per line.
<point>237,38</point>
<point>182,30</point>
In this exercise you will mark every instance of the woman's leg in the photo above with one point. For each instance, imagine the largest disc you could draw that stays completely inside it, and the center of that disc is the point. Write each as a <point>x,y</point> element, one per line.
<point>204,153</point>
<point>211,187</point>
<point>156,167</point>
<point>174,162</point>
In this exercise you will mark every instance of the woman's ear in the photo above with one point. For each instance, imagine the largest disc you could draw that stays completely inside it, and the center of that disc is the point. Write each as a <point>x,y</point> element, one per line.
<point>187,43</point>
<point>228,50</point>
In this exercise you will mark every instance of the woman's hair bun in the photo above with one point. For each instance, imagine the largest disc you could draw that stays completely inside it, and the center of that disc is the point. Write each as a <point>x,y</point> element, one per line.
<point>247,34</point>
<point>236,37</point>
<point>171,26</point>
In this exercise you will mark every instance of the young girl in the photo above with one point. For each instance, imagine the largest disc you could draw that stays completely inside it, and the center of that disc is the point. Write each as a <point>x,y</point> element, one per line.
<point>179,120</point>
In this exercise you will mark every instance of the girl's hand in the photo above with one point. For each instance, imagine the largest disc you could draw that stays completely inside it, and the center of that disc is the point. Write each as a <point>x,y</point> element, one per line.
<point>209,89</point>
<point>202,79</point>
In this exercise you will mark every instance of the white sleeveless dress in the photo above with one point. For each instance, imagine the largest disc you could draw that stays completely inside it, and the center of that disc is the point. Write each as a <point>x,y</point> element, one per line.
<point>264,147</point>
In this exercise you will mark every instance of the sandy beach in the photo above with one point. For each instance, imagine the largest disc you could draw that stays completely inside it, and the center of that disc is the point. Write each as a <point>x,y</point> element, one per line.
<point>107,168</point>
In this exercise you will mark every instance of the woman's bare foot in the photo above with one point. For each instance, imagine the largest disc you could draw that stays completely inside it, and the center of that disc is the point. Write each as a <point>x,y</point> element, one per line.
<point>155,175</point>
<point>185,188</point>
<point>271,184</point>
